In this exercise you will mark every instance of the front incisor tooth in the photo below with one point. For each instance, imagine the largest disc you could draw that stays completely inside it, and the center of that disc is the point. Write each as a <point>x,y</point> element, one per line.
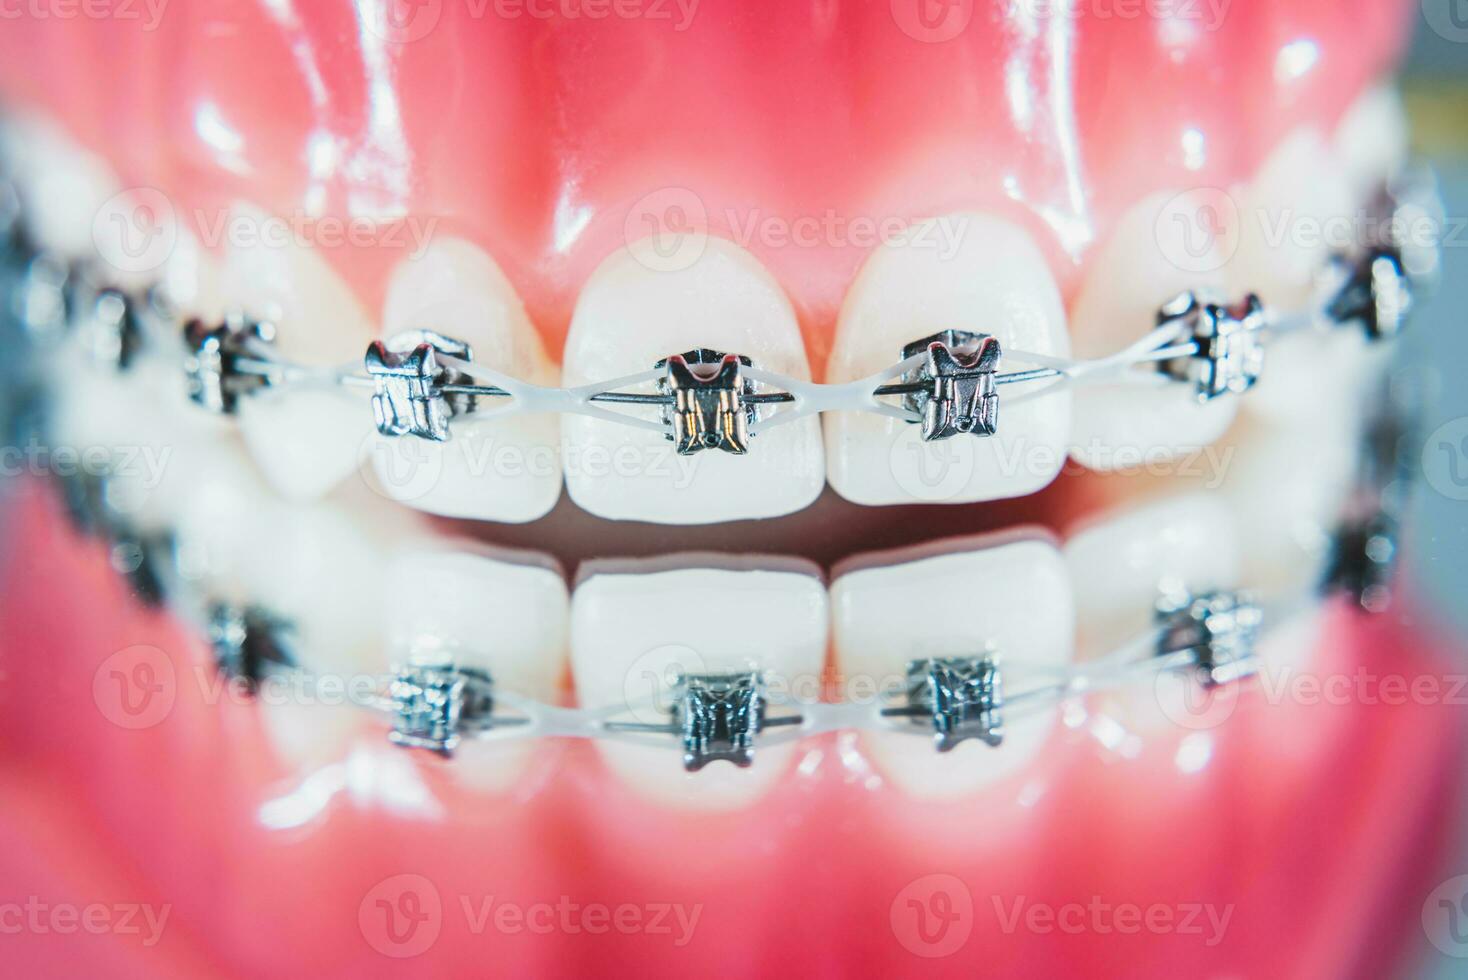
<point>304,438</point>
<point>1012,599</point>
<point>632,632</point>
<point>628,317</point>
<point>994,280</point>
<point>491,469</point>
<point>1148,260</point>
<point>459,602</point>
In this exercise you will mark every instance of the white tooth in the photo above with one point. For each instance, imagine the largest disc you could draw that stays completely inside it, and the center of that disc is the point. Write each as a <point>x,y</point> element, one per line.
<point>1292,484</point>
<point>969,272</point>
<point>306,439</point>
<point>1292,216</point>
<point>1018,604</point>
<point>1119,565</point>
<point>628,317</point>
<point>1138,270</point>
<point>502,470</point>
<point>508,619</point>
<point>1319,375</point>
<point>1118,568</point>
<point>631,632</point>
<point>62,186</point>
<point>1370,141</point>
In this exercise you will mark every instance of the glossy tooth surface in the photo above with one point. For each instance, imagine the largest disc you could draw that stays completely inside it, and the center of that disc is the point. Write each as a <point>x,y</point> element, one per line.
<point>632,632</point>
<point>63,188</point>
<point>964,271</point>
<point>460,602</point>
<point>491,469</point>
<point>1370,141</point>
<point>1147,262</point>
<point>1289,214</point>
<point>1015,601</point>
<point>630,315</point>
<point>305,438</point>
<point>1118,568</point>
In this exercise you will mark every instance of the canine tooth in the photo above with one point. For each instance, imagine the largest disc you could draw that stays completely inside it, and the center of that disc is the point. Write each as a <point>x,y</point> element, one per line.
<point>492,469</point>
<point>509,619</point>
<point>630,316</point>
<point>990,278</point>
<point>1370,141</point>
<point>1015,601</point>
<point>1118,568</point>
<point>305,438</point>
<point>632,630</point>
<point>1295,212</point>
<point>1132,275</point>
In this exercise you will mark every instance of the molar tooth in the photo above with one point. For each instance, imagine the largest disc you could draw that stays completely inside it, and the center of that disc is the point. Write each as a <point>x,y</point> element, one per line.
<point>995,281</point>
<point>506,618</point>
<point>1293,214</point>
<point>1010,598</point>
<point>491,469</point>
<point>630,316</point>
<point>305,438</point>
<point>1130,278</point>
<point>631,631</point>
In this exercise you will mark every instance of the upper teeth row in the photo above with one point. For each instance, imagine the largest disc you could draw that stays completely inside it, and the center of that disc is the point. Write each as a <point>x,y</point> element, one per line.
<point>706,399</point>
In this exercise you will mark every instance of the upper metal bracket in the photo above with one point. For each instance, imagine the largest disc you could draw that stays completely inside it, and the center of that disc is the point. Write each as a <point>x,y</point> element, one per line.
<point>212,365</point>
<point>1228,354</point>
<point>708,408</point>
<point>409,379</point>
<point>958,379</point>
<point>1375,291</point>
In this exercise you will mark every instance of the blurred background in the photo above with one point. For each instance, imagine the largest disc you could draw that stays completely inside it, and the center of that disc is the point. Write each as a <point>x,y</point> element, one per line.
<point>1435,84</point>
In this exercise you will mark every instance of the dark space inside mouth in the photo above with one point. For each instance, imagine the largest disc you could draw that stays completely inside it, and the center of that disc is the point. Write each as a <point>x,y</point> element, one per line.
<point>827,532</point>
